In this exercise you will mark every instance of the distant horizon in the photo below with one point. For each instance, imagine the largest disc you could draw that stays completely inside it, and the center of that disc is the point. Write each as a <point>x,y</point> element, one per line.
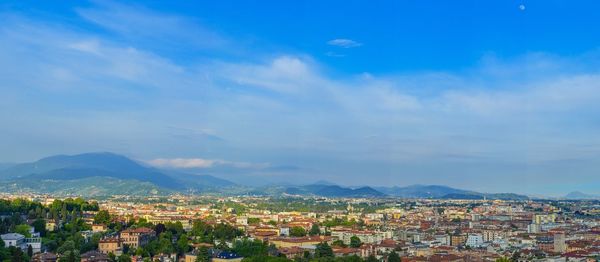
<point>195,171</point>
<point>489,96</point>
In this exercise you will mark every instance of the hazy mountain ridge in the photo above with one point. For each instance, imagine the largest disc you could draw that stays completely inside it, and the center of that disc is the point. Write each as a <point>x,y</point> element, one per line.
<point>108,173</point>
<point>89,186</point>
<point>444,192</point>
<point>577,195</point>
<point>332,191</point>
<point>4,166</point>
<point>421,191</point>
<point>413,191</point>
<point>63,167</point>
<point>66,173</point>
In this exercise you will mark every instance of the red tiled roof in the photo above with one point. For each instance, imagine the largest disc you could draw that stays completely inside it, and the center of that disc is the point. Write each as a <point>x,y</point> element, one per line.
<point>304,239</point>
<point>291,250</point>
<point>345,251</point>
<point>138,230</point>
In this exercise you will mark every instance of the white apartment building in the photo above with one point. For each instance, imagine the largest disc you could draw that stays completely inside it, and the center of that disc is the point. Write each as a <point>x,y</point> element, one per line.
<point>474,240</point>
<point>370,237</point>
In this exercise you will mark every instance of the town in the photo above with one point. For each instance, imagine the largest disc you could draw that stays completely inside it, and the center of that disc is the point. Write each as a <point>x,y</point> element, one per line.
<point>287,228</point>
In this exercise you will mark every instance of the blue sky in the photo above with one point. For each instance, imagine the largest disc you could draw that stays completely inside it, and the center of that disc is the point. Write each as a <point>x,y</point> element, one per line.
<point>482,95</point>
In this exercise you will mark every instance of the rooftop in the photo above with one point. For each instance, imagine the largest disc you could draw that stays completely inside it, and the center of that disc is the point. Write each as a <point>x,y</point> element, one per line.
<point>12,236</point>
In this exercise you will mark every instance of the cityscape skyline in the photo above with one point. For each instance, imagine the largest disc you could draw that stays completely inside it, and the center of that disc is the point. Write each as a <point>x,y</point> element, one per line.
<point>485,96</point>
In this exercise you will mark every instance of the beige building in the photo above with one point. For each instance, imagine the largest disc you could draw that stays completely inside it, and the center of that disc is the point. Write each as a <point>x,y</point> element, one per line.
<point>189,257</point>
<point>457,240</point>
<point>110,245</point>
<point>137,237</point>
<point>300,241</point>
<point>96,228</point>
<point>544,219</point>
<point>560,245</point>
<point>51,225</point>
<point>371,237</point>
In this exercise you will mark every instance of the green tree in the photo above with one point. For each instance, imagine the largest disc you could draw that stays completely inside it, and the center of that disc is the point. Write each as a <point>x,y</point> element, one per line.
<point>70,256</point>
<point>102,217</point>
<point>175,228</point>
<point>202,231</point>
<point>39,225</point>
<point>323,250</point>
<point>355,242</point>
<point>159,228</point>
<point>314,230</point>
<point>226,232</point>
<point>253,220</point>
<point>165,244</point>
<point>4,254</point>
<point>141,252</point>
<point>339,243</point>
<point>67,246</point>
<point>23,229</point>
<point>503,259</point>
<point>352,258</point>
<point>372,258</point>
<point>297,231</point>
<point>393,257</point>
<point>124,258</point>
<point>64,212</point>
<point>306,254</point>
<point>183,244</point>
<point>249,248</point>
<point>112,257</point>
<point>265,259</point>
<point>16,255</point>
<point>202,255</point>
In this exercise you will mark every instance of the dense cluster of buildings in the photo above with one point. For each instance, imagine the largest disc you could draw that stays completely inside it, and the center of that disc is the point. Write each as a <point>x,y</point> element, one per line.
<point>418,230</point>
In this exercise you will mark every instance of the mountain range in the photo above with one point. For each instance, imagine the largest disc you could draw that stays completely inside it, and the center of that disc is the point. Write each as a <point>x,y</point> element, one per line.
<point>328,190</point>
<point>95,174</point>
<point>88,173</point>
<point>576,195</point>
<point>444,192</point>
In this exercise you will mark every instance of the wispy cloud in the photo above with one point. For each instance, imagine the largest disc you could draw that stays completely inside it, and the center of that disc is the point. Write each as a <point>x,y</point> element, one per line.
<point>140,24</point>
<point>115,93</point>
<point>194,163</point>
<point>344,43</point>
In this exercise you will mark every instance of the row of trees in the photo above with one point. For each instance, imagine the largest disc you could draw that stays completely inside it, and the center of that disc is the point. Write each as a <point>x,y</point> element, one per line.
<point>67,241</point>
<point>258,251</point>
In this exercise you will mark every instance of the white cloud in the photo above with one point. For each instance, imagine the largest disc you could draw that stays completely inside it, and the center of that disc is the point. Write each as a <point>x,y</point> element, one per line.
<point>182,162</point>
<point>285,74</point>
<point>287,108</point>
<point>191,163</point>
<point>344,43</point>
<point>140,23</point>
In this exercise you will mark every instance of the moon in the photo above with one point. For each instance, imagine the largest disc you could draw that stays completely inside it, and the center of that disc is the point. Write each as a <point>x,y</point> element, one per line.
<point>522,7</point>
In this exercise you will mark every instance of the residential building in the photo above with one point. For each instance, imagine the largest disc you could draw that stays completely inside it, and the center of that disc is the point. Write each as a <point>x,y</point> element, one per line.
<point>474,240</point>
<point>94,256</point>
<point>97,228</point>
<point>544,219</point>
<point>13,240</point>
<point>44,257</point>
<point>110,245</point>
<point>137,237</point>
<point>559,243</point>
